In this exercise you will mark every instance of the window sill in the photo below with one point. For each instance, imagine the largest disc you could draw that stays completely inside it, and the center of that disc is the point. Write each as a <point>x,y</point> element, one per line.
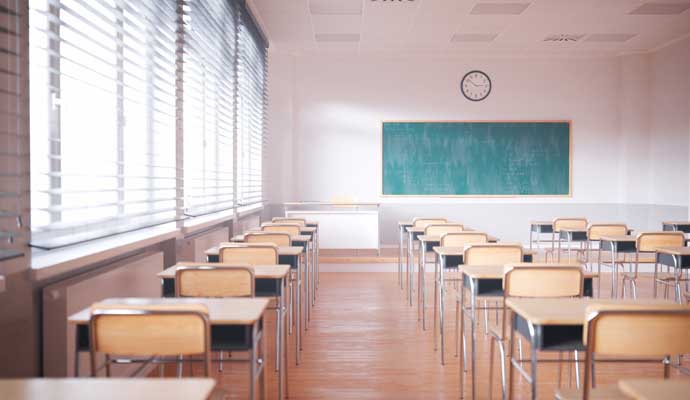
<point>247,210</point>
<point>47,264</point>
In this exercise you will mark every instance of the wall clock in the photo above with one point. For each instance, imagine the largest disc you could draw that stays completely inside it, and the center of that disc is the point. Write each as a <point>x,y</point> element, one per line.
<point>475,85</point>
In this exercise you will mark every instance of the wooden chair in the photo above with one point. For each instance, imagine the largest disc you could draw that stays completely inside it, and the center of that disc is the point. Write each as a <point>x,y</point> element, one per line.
<point>485,254</point>
<point>290,229</point>
<point>248,253</point>
<point>214,281</point>
<point>286,220</point>
<point>648,242</point>
<point>492,254</point>
<point>625,330</point>
<point>535,281</point>
<point>594,234</point>
<point>462,239</point>
<point>432,230</point>
<point>149,331</point>
<point>558,225</point>
<point>279,239</point>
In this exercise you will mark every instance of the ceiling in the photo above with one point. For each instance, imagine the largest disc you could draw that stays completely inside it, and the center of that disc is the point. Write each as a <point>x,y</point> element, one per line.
<point>572,26</point>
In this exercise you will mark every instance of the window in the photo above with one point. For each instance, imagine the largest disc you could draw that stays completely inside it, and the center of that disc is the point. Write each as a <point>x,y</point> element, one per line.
<point>143,112</point>
<point>102,118</point>
<point>13,150</point>
<point>209,106</point>
<point>252,111</point>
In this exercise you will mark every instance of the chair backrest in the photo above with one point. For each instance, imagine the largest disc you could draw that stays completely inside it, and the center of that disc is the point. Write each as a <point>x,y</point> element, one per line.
<point>596,231</point>
<point>620,330</point>
<point>441,229</point>
<point>248,253</point>
<point>214,281</point>
<point>543,280</point>
<point>290,229</point>
<point>569,223</point>
<point>650,241</point>
<point>643,330</point>
<point>289,220</point>
<point>276,238</point>
<point>146,331</point>
<point>492,254</point>
<point>462,239</point>
<point>423,222</point>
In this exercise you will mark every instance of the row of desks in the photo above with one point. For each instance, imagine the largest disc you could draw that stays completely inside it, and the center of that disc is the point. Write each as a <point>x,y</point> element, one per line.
<point>236,323</point>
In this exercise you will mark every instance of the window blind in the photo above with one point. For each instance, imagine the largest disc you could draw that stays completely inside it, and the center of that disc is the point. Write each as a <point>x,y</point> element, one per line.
<point>252,99</point>
<point>209,88</point>
<point>13,151</point>
<point>102,117</point>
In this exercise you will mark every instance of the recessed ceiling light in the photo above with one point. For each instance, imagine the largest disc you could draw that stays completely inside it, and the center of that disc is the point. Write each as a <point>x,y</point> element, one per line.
<point>335,7</point>
<point>610,37</point>
<point>499,8</point>
<point>473,37</point>
<point>660,9</point>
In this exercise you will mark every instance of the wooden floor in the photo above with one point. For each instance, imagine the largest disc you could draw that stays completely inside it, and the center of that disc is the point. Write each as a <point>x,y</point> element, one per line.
<point>364,342</point>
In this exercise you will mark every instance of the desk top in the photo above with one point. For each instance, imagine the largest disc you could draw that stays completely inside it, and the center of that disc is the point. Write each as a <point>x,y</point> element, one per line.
<point>565,311</point>
<point>436,238</point>
<point>676,251</point>
<point>282,251</point>
<point>650,389</point>
<point>676,223</point>
<point>294,238</point>
<point>107,388</point>
<point>225,311</point>
<point>498,271</point>
<point>543,223</point>
<point>458,251</point>
<point>260,271</point>
<point>619,238</point>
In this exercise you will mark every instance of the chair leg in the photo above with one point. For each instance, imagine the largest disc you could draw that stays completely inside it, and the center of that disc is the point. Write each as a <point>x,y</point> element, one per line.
<point>491,367</point>
<point>634,289</point>
<point>504,385</point>
<point>577,370</point>
<point>457,327</point>
<point>220,362</point>
<point>486,318</point>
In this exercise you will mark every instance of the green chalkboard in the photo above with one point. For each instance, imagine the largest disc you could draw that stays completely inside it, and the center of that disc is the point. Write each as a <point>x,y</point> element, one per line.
<point>476,158</point>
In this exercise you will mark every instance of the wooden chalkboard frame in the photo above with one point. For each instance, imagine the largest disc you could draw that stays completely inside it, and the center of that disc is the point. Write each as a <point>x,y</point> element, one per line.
<point>570,162</point>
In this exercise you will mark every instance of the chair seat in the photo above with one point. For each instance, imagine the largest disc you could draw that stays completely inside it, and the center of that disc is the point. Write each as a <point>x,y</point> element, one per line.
<point>669,277</point>
<point>608,392</point>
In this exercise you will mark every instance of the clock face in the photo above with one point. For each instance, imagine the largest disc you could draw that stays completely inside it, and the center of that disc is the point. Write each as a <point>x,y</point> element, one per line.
<point>475,85</point>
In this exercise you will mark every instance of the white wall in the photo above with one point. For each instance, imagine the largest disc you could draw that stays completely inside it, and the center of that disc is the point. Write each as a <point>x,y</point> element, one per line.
<point>630,128</point>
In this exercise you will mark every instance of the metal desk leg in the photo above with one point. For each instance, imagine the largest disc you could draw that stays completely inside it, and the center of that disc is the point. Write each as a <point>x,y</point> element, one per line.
<point>420,280</point>
<point>307,286</point>
<point>314,271</point>
<point>401,228</point>
<point>530,238</point>
<point>410,272</point>
<point>463,367</point>
<point>533,340</point>
<point>436,300</point>
<point>614,272</point>
<point>442,309</point>
<point>298,313</point>
<point>473,333</point>
<point>422,283</point>
<point>511,358</point>
<point>252,362</point>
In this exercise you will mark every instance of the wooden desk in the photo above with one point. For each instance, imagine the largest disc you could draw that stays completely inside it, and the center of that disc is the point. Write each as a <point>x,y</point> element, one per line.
<point>106,389</point>
<point>488,281</point>
<point>455,256</point>
<point>267,278</point>
<point>571,235</point>
<point>289,255</point>
<point>653,389</point>
<point>402,226</point>
<point>307,243</point>
<point>615,245</point>
<point>677,258</point>
<point>539,228</point>
<point>236,325</point>
<point>553,324</point>
<point>683,226</point>
<point>269,281</point>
